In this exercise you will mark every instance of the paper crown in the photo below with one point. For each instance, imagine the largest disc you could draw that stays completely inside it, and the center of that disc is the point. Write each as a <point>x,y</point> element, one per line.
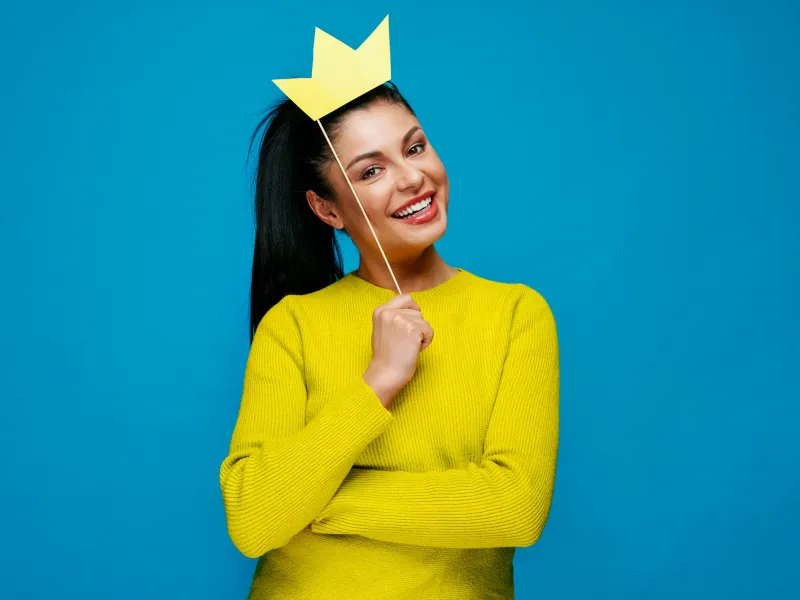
<point>340,74</point>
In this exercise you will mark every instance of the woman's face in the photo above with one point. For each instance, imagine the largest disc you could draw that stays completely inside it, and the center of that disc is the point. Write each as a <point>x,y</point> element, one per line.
<point>389,162</point>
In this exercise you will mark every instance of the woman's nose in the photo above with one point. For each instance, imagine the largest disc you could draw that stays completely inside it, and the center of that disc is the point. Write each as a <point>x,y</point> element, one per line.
<point>409,177</point>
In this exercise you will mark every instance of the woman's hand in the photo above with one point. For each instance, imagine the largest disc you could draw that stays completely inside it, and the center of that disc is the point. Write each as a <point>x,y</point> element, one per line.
<point>399,334</point>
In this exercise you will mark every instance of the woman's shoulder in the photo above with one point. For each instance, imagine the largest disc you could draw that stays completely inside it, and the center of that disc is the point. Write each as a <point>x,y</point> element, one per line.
<point>520,309</point>
<point>319,308</point>
<point>515,294</point>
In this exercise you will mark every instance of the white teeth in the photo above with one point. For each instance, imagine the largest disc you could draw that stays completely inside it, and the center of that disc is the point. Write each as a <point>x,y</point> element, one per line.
<point>414,207</point>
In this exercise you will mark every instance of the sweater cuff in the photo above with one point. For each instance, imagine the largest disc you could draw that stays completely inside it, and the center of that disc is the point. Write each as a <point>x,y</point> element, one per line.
<point>356,414</point>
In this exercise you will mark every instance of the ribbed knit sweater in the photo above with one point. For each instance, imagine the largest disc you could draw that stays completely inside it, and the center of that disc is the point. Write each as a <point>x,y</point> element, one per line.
<point>341,498</point>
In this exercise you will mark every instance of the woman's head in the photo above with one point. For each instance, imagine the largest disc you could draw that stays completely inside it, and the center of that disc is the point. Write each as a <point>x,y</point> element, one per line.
<point>302,198</point>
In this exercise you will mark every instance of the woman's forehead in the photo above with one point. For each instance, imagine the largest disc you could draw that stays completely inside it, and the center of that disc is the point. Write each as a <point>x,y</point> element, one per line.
<point>376,125</point>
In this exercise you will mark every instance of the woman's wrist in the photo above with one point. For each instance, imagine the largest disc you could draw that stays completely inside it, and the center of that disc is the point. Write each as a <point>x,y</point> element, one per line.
<point>383,383</point>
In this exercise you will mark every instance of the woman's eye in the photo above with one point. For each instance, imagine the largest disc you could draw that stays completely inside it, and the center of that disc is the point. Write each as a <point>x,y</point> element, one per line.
<point>369,172</point>
<point>421,146</point>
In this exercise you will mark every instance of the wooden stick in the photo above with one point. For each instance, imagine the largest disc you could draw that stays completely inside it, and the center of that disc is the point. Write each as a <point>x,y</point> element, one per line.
<point>336,156</point>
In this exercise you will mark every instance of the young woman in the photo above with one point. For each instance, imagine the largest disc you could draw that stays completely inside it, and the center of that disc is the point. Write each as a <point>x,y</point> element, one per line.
<point>370,458</point>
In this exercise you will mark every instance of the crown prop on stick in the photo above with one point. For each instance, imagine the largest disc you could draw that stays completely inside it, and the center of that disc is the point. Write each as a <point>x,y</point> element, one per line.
<point>340,74</point>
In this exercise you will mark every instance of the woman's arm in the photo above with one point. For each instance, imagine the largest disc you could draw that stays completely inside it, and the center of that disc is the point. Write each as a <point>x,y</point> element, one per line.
<point>280,472</point>
<point>504,501</point>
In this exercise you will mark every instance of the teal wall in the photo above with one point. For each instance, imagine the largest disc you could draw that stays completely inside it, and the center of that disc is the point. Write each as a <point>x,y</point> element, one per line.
<point>635,162</point>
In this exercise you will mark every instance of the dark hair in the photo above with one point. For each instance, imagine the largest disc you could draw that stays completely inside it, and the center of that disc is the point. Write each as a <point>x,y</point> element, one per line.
<point>295,252</point>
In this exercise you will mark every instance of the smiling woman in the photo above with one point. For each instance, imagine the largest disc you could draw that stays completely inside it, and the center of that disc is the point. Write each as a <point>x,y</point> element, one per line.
<point>335,494</point>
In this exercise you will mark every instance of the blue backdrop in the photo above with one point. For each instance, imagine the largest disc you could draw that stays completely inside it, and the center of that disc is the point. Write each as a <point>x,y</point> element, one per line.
<point>635,162</point>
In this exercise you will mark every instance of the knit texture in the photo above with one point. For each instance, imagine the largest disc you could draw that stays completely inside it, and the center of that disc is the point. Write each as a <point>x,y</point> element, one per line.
<point>341,498</point>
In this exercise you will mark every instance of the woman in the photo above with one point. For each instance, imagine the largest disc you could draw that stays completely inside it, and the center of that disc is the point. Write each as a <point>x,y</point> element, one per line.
<point>369,460</point>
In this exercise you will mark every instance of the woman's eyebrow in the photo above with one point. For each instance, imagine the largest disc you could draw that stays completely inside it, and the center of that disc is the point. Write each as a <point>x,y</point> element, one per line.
<point>376,153</point>
<point>409,133</point>
<point>373,154</point>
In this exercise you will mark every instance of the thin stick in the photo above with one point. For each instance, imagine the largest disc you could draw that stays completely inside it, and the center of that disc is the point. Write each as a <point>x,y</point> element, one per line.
<point>336,156</point>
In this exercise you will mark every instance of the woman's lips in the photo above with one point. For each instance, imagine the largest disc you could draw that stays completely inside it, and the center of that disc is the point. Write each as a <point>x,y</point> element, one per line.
<point>413,201</point>
<point>424,215</point>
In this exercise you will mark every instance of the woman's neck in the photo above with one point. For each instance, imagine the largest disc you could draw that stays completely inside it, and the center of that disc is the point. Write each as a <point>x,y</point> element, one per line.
<point>426,271</point>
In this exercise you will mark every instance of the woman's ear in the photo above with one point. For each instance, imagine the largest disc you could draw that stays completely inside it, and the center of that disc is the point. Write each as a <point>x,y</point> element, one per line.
<point>326,210</point>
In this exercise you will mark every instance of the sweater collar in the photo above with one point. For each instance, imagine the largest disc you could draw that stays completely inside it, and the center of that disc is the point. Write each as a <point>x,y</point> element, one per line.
<point>458,281</point>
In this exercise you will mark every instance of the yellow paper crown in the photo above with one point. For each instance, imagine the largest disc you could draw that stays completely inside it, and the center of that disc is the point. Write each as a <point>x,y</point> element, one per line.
<point>340,74</point>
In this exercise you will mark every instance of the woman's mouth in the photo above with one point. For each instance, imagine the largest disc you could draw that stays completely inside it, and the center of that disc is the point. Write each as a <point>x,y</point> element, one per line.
<point>421,212</point>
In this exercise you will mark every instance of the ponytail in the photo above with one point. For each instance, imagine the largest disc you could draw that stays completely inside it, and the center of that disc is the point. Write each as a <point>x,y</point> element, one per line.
<point>294,251</point>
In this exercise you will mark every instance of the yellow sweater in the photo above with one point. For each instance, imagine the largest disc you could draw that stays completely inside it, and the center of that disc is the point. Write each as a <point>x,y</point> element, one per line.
<point>341,498</point>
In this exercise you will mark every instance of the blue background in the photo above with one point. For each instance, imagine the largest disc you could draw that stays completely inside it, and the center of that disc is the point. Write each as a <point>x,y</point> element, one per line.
<point>635,162</point>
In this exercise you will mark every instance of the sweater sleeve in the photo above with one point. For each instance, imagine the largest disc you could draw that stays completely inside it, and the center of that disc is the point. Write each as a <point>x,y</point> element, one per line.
<point>505,500</point>
<point>280,472</point>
